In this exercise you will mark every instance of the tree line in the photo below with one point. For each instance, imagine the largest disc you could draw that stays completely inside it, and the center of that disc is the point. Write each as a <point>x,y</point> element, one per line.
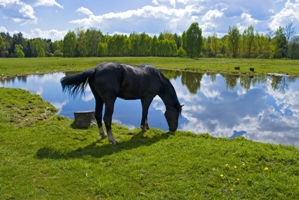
<point>281,43</point>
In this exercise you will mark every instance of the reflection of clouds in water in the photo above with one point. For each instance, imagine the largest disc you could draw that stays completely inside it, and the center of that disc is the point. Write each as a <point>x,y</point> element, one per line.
<point>158,104</point>
<point>222,113</point>
<point>53,77</point>
<point>87,96</point>
<point>39,91</point>
<point>116,121</point>
<point>59,105</point>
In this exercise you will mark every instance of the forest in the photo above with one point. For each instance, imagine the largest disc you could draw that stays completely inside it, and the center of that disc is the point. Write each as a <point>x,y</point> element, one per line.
<point>281,43</point>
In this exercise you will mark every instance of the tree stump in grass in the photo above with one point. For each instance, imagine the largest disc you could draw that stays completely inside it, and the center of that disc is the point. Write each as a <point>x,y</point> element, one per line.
<point>84,119</point>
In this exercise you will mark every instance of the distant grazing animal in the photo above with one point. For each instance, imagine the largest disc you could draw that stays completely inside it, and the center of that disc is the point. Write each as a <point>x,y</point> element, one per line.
<point>110,80</point>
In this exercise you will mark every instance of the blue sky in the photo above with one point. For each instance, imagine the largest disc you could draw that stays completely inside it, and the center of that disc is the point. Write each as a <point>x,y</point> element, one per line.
<point>54,18</point>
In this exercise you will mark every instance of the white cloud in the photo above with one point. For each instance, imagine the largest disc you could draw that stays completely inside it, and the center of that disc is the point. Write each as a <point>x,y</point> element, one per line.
<point>47,3</point>
<point>84,11</point>
<point>51,34</point>
<point>288,14</point>
<point>5,3</point>
<point>3,29</point>
<point>22,11</point>
<point>141,19</point>
<point>172,3</point>
<point>212,14</point>
<point>18,11</point>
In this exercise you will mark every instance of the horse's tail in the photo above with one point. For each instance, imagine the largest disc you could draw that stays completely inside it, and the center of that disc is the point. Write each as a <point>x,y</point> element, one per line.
<point>75,84</point>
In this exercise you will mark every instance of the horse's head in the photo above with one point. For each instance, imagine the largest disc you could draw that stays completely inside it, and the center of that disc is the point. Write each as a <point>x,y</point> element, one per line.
<point>172,116</point>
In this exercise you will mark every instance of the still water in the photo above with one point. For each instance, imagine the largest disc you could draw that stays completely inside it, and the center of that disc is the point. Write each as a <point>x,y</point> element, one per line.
<point>260,108</point>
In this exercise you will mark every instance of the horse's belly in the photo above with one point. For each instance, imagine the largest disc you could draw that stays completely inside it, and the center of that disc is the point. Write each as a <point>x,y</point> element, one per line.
<point>129,96</point>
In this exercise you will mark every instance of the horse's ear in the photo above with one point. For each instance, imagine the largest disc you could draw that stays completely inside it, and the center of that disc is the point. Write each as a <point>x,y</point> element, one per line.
<point>182,105</point>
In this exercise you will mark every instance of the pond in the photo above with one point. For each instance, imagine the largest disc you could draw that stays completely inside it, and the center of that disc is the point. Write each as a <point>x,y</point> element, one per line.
<point>259,108</point>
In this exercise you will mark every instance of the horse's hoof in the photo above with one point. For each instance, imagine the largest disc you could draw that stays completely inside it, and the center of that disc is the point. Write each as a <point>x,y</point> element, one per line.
<point>114,143</point>
<point>144,128</point>
<point>103,136</point>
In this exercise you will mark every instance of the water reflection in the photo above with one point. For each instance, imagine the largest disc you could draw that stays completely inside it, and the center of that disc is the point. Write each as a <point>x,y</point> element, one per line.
<point>261,108</point>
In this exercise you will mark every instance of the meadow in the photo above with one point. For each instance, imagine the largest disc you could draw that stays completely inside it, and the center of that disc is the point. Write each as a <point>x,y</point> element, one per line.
<point>17,66</point>
<point>44,156</point>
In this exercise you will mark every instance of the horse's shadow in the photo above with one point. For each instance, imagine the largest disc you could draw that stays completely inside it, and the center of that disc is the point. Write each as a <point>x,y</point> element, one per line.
<point>97,151</point>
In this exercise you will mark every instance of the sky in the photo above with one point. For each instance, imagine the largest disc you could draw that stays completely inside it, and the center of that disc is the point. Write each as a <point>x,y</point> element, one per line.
<point>54,18</point>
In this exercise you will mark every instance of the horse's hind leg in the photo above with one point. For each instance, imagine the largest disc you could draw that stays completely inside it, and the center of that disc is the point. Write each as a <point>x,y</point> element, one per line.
<point>98,116</point>
<point>109,107</point>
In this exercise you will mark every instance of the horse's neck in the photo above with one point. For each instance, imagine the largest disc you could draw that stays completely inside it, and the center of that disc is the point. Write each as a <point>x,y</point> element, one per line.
<point>168,96</point>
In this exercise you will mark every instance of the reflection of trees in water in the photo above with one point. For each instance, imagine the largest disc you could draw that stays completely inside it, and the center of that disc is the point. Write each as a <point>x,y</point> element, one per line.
<point>171,74</point>
<point>247,81</point>
<point>13,79</point>
<point>192,81</point>
<point>231,80</point>
<point>281,83</point>
<point>212,76</point>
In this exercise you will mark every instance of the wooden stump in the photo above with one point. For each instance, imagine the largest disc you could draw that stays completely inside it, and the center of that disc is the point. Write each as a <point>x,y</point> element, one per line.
<point>84,119</point>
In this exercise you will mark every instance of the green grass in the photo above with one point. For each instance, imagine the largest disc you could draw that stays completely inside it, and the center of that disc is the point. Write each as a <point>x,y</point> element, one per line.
<point>43,155</point>
<point>17,66</point>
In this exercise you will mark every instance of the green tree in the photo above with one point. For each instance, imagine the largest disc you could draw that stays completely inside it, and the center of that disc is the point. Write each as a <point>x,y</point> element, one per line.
<point>214,44</point>
<point>69,44</point>
<point>262,46</point>
<point>3,50</point>
<point>28,52</point>
<point>178,40</point>
<point>17,39</point>
<point>248,41</point>
<point>154,46</point>
<point>144,44</point>
<point>42,53</point>
<point>181,52</point>
<point>118,45</point>
<point>193,40</point>
<point>233,40</point>
<point>81,48</point>
<point>134,39</point>
<point>293,48</point>
<point>102,49</point>
<point>93,37</point>
<point>19,51</point>
<point>36,45</point>
<point>57,45</point>
<point>279,43</point>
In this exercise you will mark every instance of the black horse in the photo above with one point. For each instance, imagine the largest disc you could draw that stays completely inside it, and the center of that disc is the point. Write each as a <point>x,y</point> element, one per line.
<point>110,80</point>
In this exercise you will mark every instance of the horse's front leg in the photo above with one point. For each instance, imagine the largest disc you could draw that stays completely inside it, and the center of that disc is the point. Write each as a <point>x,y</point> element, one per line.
<point>145,105</point>
<point>108,121</point>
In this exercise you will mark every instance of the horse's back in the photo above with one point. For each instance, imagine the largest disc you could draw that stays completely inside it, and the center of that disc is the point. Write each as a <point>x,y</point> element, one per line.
<point>129,82</point>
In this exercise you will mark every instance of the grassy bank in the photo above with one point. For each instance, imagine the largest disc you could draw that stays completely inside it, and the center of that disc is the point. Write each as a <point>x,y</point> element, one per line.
<point>17,66</point>
<point>42,156</point>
